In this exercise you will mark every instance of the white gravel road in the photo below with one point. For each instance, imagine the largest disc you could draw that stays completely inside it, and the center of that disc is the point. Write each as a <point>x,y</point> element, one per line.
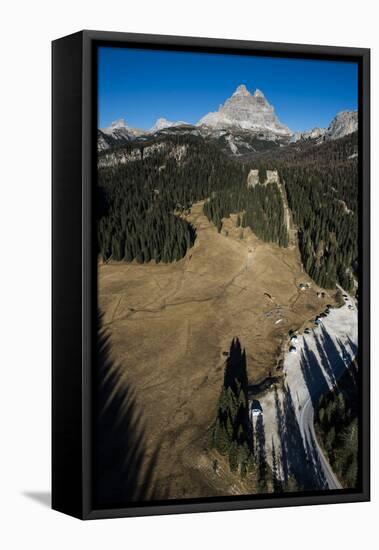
<point>288,430</point>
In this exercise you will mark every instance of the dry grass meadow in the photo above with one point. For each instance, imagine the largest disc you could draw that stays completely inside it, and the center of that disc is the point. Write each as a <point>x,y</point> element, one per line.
<point>169,325</point>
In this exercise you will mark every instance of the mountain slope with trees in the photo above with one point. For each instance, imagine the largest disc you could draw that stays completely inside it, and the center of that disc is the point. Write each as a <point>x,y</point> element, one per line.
<point>336,423</point>
<point>322,189</point>
<point>143,190</point>
<point>140,202</point>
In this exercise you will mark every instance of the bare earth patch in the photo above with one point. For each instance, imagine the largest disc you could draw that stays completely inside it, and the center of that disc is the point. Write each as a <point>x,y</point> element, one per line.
<point>169,325</point>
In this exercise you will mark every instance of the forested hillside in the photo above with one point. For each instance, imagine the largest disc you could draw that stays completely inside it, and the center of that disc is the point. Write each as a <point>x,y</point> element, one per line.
<point>337,427</point>
<point>143,190</point>
<point>261,208</point>
<point>139,201</point>
<point>322,189</point>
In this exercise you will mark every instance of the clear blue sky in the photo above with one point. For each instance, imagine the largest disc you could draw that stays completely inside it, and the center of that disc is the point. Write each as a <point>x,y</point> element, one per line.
<point>143,85</point>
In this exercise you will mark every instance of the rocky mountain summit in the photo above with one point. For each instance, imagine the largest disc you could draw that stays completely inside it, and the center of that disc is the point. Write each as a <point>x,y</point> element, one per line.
<point>116,134</point>
<point>246,111</point>
<point>163,123</point>
<point>343,124</point>
<point>245,124</point>
<point>121,129</point>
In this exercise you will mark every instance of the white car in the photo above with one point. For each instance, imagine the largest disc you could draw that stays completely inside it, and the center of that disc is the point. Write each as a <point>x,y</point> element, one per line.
<point>255,408</point>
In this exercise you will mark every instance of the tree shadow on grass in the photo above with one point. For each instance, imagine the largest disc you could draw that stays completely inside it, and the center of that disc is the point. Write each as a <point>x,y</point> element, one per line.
<point>123,472</point>
<point>235,369</point>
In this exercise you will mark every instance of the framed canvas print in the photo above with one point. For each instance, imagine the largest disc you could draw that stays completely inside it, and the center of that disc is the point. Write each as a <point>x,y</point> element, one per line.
<point>210,274</point>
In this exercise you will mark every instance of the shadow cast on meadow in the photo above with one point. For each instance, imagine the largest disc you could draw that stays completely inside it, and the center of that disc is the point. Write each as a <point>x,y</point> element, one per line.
<point>123,470</point>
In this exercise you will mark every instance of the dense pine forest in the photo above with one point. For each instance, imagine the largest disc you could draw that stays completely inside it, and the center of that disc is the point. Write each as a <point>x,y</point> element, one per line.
<point>140,202</point>
<point>336,422</point>
<point>322,188</point>
<point>260,208</point>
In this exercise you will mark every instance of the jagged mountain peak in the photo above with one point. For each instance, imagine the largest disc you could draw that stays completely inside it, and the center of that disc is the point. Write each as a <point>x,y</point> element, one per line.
<point>117,129</point>
<point>118,132</point>
<point>247,112</point>
<point>162,123</point>
<point>258,93</point>
<point>344,123</point>
<point>241,90</point>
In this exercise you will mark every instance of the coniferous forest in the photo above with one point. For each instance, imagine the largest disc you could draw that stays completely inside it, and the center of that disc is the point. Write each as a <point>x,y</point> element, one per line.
<point>260,208</point>
<point>322,189</point>
<point>141,201</point>
<point>337,427</point>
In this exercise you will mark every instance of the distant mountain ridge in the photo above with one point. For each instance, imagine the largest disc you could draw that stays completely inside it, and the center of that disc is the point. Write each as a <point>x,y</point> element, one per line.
<point>241,122</point>
<point>343,124</point>
<point>163,123</point>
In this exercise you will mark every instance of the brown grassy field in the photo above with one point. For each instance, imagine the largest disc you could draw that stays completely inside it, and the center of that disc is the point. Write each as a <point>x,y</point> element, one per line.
<point>169,325</point>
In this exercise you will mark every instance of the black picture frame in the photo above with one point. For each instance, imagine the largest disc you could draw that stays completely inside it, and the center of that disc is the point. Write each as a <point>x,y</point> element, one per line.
<point>74,267</point>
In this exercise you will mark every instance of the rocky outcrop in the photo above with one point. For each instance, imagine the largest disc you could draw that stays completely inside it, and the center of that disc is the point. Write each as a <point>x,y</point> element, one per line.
<point>163,123</point>
<point>343,124</point>
<point>139,152</point>
<point>117,133</point>
<point>314,134</point>
<point>253,177</point>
